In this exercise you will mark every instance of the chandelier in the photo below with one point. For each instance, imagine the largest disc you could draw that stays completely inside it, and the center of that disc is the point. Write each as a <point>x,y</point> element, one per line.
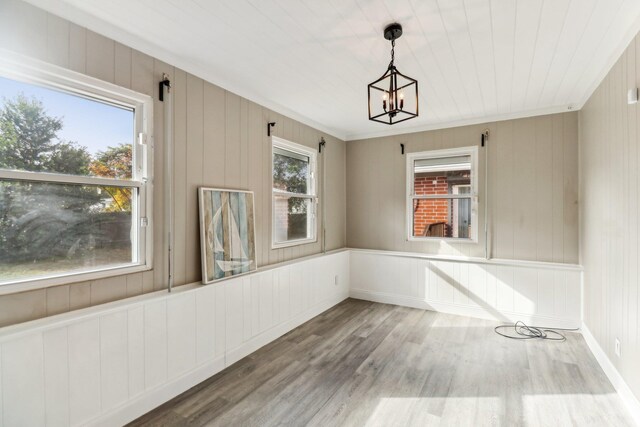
<point>393,98</point>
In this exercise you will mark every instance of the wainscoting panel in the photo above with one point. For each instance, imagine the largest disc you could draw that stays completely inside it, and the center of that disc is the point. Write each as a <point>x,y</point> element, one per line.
<point>108,364</point>
<point>537,293</point>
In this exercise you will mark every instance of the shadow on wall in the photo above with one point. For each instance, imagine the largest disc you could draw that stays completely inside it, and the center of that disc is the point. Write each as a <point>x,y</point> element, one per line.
<point>501,292</point>
<point>473,298</point>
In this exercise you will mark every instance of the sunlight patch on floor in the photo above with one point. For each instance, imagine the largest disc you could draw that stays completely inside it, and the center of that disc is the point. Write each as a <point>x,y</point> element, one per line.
<point>419,411</point>
<point>573,409</point>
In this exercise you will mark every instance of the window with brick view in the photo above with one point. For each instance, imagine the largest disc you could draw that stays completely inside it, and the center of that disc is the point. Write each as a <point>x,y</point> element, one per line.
<point>441,195</point>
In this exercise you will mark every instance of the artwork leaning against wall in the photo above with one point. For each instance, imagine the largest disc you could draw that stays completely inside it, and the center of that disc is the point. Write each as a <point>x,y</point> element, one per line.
<point>227,233</point>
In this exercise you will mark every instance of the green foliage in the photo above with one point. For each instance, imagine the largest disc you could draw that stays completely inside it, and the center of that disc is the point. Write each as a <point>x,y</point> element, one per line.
<point>46,221</point>
<point>70,159</point>
<point>291,175</point>
<point>29,141</point>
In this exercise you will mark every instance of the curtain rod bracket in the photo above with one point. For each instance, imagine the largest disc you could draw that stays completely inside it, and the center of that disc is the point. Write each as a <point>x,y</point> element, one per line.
<point>269,126</point>
<point>402,149</point>
<point>484,137</point>
<point>164,82</point>
<point>321,144</point>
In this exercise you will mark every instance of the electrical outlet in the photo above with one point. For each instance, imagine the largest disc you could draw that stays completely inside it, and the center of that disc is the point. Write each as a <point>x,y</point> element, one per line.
<point>617,348</point>
<point>335,280</point>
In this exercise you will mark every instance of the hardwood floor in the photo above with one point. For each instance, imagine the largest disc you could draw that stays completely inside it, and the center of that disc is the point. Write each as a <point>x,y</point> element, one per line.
<point>364,363</point>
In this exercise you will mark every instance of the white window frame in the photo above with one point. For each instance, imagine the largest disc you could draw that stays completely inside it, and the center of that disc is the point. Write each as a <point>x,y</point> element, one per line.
<point>435,154</point>
<point>27,70</point>
<point>311,193</point>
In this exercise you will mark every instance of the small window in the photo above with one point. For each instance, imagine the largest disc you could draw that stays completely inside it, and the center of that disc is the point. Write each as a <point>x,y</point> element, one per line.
<point>441,194</point>
<point>74,190</point>
<point>294,194</point>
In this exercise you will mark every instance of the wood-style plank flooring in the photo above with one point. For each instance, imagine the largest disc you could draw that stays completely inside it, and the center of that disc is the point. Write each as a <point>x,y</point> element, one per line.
<point>364,364</point>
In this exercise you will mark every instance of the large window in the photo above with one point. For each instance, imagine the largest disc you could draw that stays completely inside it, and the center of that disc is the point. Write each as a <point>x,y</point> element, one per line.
<point>74,186</point>
<point>441,202</point>
<point>294,194</point>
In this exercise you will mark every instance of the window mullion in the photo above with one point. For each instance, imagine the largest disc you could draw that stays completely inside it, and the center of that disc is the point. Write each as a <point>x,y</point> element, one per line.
<point>285,194</point>
<point>440,196</point>
<point>67,179</point>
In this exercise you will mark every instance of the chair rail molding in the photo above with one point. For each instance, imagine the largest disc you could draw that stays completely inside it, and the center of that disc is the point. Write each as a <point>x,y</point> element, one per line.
<point>111,363</point>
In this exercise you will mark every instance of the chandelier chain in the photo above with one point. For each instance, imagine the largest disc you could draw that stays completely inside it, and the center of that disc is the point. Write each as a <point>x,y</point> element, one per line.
<point>393,46</point>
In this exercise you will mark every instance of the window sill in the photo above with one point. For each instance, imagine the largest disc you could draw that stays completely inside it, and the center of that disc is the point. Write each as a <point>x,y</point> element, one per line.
<point>69,278</point>
<point>293,243</point>
<point>442,239</point>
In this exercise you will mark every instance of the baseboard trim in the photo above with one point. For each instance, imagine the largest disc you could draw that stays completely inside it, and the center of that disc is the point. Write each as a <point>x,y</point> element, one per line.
<point>277,331</point>
<point>628,397</point>
<point>151,399</point>
<point>462,310</point>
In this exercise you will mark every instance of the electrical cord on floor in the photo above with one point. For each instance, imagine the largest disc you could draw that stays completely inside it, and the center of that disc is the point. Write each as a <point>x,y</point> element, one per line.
<point>524,332</point>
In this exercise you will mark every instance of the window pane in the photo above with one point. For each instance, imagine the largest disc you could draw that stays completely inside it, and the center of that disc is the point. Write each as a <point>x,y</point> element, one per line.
<point>290,172</point>
<point>442,176</point>
<point>45,130</point>
<point>442,218</point>
<point>292,218</point>
<point>50,229</point>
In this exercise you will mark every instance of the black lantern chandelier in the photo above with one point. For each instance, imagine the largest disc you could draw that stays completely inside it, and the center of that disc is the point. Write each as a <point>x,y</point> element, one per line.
<point>393,98</point>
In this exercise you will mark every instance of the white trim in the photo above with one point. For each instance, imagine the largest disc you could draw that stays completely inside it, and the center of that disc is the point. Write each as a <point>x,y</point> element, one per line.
<point>312,226</point>
<point>288,195</point>
<point>51,322</point>
<point>29,70</point>
<point>471,151</point>
<point>459,310</point>
<point>120,35</point>
<point>628,397</point>
<point>400,130</point>
<point>103,27</point>
<point>165,392</point>
<point>197,369</point>
<point>296,242</point>
<point>67,179</point>
<point>111,31</point>
<point>474,260</point>
<point>155,397</point>
<point>70,278</point>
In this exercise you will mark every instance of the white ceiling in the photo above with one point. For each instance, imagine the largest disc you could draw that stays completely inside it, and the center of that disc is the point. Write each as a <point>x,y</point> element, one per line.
<point>475,60</point>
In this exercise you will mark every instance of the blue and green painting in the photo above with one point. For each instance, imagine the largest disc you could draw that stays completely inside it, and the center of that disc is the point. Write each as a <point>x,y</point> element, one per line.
<point>228,233</point>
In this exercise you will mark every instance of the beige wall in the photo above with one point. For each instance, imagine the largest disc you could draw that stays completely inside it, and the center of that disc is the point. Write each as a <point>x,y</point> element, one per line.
<point>220,141</point>
<point>610,194</point>
<point>533,189</point>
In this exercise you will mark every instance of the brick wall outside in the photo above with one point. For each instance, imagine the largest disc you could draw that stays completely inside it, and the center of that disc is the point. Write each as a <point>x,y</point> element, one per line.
<point>430,211</point>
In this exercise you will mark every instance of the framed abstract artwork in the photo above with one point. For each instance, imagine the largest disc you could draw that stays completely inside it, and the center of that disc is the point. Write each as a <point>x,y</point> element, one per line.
<point>227,233</point>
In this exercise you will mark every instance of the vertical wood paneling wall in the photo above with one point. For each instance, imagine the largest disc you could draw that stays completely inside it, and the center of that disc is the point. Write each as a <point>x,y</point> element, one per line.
<point>220,141</point>
<point>533,189</point>
<point>108,365</point>
<point>610,194</point>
